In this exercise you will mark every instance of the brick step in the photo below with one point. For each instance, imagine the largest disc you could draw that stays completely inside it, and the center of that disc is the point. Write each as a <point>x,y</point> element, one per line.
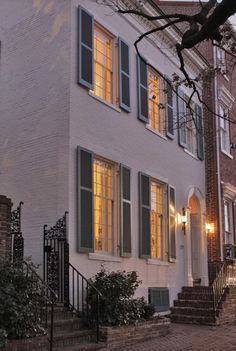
<point>194,312</point>
<point>73,338</point>
<point>193,303</point>
<point>67,324</point>
<point>197,289</point>
<point>176,318</point>
<point>195,296</point>
<point>82,347</point>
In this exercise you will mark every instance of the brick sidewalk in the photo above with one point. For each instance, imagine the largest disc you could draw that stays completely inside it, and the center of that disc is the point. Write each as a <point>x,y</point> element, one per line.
<point>185,337</point>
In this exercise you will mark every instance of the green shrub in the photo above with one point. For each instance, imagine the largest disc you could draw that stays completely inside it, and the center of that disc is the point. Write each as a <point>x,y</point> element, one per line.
<point>20,301</point>
<point>117,304</point>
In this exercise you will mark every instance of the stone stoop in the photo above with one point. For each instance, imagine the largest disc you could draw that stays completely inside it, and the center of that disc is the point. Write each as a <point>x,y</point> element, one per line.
<point>70,334</point>
<point>194,306</point>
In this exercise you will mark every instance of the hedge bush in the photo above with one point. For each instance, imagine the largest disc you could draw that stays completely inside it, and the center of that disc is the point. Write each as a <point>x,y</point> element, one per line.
<point>117,303</point>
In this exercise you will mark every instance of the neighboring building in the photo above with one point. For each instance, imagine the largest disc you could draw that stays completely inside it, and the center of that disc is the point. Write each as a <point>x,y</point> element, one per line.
<point>76,134</point>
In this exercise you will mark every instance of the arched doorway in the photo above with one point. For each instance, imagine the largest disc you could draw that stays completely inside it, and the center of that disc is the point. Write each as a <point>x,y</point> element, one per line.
<point>195,234</point>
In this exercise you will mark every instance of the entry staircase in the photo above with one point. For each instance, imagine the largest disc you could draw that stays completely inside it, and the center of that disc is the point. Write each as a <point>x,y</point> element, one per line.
<point>209,305</point>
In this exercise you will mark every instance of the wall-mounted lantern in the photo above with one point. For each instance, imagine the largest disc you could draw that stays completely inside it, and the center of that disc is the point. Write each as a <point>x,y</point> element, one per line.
<point>210,228</point>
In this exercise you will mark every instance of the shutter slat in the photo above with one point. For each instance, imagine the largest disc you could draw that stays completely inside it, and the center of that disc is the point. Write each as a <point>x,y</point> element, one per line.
<point>125,211</point>
<point>172,225</point>
<point>144,216</point>
<point>181,119</point>
<point>200,139</point>
<point>169,109</point>
<point>142,76</point>
<point>85,48</point>
<point>124,75</point>
<point>85,200</point>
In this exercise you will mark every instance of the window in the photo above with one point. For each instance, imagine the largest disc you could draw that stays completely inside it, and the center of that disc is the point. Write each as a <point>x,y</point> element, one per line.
<point>153,219</point>
<point>103,182</point>
<point>221,60</point>
<point>103,64</point>
<point>228,220</point>
<point>156,220</point>
<point>99,213</point>
<point>156,102</point>
<point>191,136</point>
<point>224,131</point>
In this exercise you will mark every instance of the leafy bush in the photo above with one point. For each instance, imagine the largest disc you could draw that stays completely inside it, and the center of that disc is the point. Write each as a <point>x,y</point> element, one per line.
<point>117,304</point>
<point>20,301</point>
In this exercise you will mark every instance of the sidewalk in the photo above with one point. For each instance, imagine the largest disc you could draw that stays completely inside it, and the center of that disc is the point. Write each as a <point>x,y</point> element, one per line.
<point>185,337</point>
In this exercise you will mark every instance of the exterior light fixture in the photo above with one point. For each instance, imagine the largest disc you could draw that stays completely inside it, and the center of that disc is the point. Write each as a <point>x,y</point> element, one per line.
<point>210,228</point>
<point>184,219</point>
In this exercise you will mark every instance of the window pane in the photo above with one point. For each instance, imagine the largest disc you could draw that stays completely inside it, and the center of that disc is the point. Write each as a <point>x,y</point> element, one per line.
<point>156,220</point>
<point>102,65</point>
<point>156,101</point>
<point>103,205</point>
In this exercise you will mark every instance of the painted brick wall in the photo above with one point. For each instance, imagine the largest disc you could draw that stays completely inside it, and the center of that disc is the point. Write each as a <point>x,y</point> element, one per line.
<point>34,95</point>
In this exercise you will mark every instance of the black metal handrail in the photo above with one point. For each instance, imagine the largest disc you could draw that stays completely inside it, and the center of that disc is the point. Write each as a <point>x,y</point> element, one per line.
<point>80,289</point>
<point>49,298</point>
<point>225,278</point>
<point>219,285</point>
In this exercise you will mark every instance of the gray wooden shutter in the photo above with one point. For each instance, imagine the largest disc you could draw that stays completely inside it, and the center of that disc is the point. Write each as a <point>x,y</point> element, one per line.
<point>85,48</point>
<point>124,75</point>
<point>181,111</point>
<point>200,139</point>
<point>169,110</point>
<point>172,243</point>
<point>125,211</point>
<point>85,200</point>
<point>144,216</point>
<point>142,76</point>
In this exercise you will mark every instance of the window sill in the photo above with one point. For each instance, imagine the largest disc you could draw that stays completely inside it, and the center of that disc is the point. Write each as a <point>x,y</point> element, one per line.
<point>156,262</point>
<point>117,109</point>
<point>227,154</point>
<point>190,154</point>
<point>102,257</point>
<point>156,132</point>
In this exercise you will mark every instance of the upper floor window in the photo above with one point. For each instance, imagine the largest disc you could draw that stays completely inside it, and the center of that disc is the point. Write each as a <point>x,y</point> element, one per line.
<point>103,64</point>
<point>221,60</point>
<point>228,221</point>
<point>224,131</point>
<point>191,132</point>
<point>156,101</point>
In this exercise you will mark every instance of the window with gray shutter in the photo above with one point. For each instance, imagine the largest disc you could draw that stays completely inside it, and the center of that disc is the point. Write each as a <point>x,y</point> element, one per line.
<point>144,216</point>
<point>169,110</point>
<point>125,211</point>
<point>172,244</point>
<point>181,111</point>
<point>85,200</point>
<point>142,89</point>
<point>85,48</point>
<point>159,298</point>
<point>124,75</point>
<point>199,127</point>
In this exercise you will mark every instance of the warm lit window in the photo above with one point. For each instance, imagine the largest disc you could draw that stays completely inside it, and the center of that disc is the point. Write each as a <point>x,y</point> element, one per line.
<point>156,101</point>
<point>224,131</point>
<point>156,220</point>
<point>103,64</point>
<point>103,205</point>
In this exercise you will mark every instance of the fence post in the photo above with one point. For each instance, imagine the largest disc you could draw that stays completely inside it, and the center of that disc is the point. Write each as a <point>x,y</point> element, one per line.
<point>5,228</point>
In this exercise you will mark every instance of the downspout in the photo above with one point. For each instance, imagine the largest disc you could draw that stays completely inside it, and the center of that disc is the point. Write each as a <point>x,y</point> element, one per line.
<point>218,160</point>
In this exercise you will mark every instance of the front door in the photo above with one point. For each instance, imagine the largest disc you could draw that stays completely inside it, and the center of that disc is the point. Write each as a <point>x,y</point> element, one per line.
<point>195,226</point>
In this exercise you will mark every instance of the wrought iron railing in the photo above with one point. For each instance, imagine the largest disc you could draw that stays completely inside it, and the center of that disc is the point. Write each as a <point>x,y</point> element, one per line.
<point>225,278</point>
<point>84,299</point>
<point>47,301</point>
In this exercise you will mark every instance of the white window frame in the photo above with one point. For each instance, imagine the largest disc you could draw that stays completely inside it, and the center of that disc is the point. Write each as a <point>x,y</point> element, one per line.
<point>228,222</point>
<point>164,233</point>
<point>114,71</point>
<point>115,217</point>
<point>224,130</point>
